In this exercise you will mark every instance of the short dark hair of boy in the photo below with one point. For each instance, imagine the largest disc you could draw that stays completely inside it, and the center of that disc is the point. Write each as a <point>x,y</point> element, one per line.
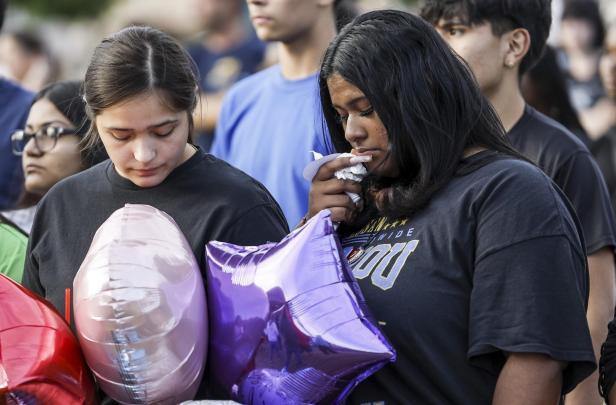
<point>535,16</point>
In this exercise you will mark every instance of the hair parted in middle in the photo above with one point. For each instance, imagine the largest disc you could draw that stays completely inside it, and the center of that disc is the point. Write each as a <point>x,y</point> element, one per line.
<point>136,60</point>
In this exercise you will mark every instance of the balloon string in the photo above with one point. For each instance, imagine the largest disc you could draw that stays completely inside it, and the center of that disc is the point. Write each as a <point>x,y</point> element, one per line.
<point>67,305</point>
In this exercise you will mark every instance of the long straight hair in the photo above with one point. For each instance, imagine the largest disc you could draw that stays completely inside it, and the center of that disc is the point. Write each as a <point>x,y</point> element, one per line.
<point>425,96</point>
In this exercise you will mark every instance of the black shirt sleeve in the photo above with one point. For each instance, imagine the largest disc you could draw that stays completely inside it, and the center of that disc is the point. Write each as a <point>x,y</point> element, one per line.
<point>530,280</point>
<point>30,278</point>
<point>261,224</point>
<point>607,364</point>
<point>582,182</point>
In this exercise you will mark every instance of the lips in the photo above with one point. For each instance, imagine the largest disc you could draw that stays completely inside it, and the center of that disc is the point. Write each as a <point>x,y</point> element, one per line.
<point>364,151</point>
<point>33,168</point>
<point>259,19</point>
<point>145,172</point>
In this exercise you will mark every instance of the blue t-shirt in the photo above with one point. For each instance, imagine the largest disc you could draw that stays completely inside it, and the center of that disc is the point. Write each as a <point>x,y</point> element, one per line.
<point>14,106</point>
<point>267,127</point>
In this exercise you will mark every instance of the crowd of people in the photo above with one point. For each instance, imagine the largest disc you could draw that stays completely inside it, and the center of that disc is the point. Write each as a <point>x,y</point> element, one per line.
<point>484,240</point>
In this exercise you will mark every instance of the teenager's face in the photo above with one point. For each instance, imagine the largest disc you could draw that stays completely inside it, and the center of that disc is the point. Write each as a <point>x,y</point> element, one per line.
<point>480,48</point>
<point>144,139</point>
<point>283,20</point>
<point>44,169</point>
<point>607,67</point>
<point>363,128</point>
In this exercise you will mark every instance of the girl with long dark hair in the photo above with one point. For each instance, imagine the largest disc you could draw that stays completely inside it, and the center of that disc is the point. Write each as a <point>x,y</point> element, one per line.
<point>468,255</point>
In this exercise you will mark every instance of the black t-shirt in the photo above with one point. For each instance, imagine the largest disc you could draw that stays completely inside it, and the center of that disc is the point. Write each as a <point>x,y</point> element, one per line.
<point>207,198</point>
<point>604,150</point>
<point>568,162</point>
<point>493,264</point>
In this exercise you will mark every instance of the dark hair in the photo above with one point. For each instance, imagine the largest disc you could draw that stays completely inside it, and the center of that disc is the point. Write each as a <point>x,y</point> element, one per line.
<point>136,60</point>
<point>546,90</point>
<point>29,42</point>
<point>535,16</point>
<point>589,11</point>
<point>344,12</point>
<point>67,97</point>
<point>3,4</point>
<point>425,96</point>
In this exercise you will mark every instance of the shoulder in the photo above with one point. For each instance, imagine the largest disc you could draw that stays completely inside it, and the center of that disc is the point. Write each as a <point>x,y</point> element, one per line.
<point>513,184</point>
<point>227,184</point>
<point>84,184</point>
<point>255,83</point>
<point>545,135</point>
<point>11,237</point>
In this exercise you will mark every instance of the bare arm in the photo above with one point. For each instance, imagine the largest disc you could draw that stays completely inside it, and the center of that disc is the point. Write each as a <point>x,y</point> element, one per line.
<point>530,379</point>
<point>600,312</point>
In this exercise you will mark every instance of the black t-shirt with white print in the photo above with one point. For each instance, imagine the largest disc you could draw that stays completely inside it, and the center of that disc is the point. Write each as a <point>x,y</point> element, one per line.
<point>493,264</point>
<point>567,161</point>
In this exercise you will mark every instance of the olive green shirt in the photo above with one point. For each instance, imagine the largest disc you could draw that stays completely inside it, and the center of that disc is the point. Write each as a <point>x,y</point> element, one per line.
<point>12,252</point>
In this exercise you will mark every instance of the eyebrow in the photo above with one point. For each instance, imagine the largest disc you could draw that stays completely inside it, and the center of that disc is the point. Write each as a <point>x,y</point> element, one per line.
<point>353,101</point>
<point>46,124</point>
<point>450,22</point>
<point>161,124</point>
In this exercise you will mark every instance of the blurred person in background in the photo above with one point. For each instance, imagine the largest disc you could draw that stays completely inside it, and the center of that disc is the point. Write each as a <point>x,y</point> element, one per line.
<point>500,40</point>
<point>14,105</point>
<point>544,88</point>
<point>50,145</point>
<point>26,60</point>
<point>604,147</point>
<point>581,39</point>
<point>228,52</point>
<point>270,121</point>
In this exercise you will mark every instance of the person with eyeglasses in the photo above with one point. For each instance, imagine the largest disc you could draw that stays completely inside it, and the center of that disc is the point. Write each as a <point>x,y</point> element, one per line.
<point>50,150</point>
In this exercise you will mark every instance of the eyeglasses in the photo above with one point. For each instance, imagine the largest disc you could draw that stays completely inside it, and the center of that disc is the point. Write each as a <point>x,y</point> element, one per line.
<point>45,138</point>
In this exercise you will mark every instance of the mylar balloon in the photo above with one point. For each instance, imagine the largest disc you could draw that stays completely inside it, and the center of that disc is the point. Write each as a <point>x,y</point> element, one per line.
<point>140,310</point>
<point>40,359</point>
<point>288,321</point>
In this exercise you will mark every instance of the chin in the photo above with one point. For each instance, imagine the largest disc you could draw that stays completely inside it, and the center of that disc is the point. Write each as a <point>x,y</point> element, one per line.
<point>147,182</point>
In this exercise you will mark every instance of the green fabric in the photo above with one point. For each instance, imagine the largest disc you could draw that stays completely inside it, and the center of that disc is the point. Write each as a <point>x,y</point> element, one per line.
<point>12,252</point>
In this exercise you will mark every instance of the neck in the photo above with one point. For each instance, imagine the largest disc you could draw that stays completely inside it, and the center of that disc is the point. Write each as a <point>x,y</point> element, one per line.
<point>301,57</point>
<point>507,100</point>
<point>225,36</point>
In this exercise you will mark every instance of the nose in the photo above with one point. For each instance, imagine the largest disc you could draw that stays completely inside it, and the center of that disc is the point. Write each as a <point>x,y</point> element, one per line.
<point>30,148</point>
<point>144,150</point>
<point>354,132</point>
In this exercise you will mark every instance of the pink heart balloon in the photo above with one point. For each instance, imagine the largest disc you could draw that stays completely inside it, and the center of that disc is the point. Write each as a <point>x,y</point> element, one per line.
<point>288,321</point>
<point>140,309</point>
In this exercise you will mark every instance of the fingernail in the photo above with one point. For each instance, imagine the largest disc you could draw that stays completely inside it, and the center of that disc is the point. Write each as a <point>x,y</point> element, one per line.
<point>360,159</point>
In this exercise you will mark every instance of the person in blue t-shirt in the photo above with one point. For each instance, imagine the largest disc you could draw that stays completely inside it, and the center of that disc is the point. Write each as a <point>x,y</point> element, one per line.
<point>228,52</point>
<point>270,121</point>
<point>14,105</point>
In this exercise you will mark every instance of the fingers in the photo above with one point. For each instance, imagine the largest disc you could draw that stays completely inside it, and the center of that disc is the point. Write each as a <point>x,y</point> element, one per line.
<point>335,186</point>
<point>328,170</point>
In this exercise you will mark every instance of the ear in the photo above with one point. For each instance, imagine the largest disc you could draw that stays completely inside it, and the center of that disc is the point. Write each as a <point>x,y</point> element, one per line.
<point>518,44</point>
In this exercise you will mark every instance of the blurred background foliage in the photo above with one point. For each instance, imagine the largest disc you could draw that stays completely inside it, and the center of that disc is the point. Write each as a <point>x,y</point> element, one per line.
<point>64,9</point>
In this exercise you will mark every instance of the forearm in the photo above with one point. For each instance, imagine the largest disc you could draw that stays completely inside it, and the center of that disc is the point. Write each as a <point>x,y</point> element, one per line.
<point>600,312</point>
<point>530,379</point>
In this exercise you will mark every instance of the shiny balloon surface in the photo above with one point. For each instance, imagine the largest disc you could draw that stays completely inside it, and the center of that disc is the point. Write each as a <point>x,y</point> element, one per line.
<point>40,359</point>
<point>140,309</point>
<point>288,321</point>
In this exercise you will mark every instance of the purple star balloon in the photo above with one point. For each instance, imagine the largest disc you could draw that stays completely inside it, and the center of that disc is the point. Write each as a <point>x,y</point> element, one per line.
<point>288,322</point>
<point>140,309</point>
